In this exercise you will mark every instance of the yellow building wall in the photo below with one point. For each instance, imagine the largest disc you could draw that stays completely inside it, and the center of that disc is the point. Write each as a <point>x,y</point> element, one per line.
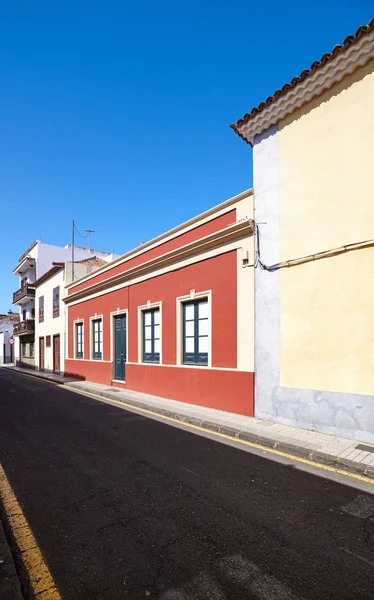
<point>326,170</point>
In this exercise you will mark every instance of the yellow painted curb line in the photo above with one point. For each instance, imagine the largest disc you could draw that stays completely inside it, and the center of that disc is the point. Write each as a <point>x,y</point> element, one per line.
<point>212,432</point>
<point>39,575</point>
<point>225,436</point>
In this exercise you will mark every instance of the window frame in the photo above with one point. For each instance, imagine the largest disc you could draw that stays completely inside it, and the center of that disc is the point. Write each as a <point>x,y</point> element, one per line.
<point>41,310</point>
<point>181,301</point>
<point>79,354</point>
<point>151,357</point>
<point>56,310</point>
<point>93,320</point>
<point>143,308</point>
<point>196,357</point>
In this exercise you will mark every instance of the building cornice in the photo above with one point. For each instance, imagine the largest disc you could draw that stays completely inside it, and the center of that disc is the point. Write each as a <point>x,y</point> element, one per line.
<point>219,238</point>
<point>165,236</point>
<point>56,268</point>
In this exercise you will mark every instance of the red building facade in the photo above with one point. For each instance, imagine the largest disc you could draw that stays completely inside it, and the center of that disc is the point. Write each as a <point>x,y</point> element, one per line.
<point>174,317</point>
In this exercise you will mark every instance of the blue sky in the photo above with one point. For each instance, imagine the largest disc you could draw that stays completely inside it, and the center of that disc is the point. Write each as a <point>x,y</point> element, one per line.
<point>117,113</point>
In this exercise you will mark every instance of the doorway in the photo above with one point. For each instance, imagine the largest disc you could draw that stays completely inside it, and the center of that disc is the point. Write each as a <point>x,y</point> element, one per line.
<point>120,346</point>
<point>41,353</point>
<point>56,353</point>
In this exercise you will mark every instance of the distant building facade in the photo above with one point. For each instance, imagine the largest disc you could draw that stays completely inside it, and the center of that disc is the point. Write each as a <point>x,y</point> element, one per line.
<point>50,317</point>
<point>36,261</point>
<point>7,323</point>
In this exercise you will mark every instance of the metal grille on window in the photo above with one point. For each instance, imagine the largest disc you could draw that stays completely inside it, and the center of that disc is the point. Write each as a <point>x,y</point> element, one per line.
<point>196,332</point>
<point>97,338</point>
<point>151,335</point>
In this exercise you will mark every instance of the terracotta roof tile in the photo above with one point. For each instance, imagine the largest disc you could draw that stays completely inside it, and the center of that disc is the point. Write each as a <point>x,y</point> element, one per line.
<point>351,39</point>
<point>12,317</point>
<point>92,260</point>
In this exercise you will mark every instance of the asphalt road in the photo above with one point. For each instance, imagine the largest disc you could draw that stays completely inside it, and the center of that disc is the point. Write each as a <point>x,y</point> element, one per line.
<point>124,506</point>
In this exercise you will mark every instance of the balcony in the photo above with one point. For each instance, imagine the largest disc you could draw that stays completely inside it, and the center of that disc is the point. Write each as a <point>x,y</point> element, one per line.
<point>23,327</point>
<point>25,293</point>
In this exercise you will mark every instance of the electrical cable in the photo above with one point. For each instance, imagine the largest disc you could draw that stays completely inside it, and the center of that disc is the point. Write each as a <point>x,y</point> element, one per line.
<point>307,258</point>
<point>82,236</point>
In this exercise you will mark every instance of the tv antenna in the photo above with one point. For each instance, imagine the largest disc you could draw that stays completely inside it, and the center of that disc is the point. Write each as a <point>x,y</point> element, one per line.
<point>89,231</point>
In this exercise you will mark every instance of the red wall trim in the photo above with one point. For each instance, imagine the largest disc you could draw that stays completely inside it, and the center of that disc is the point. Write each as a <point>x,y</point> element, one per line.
<point>193,235</point>
<point>231,391</point>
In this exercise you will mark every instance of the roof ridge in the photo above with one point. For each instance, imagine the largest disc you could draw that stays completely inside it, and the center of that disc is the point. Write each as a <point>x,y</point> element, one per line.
<point>328,56</point>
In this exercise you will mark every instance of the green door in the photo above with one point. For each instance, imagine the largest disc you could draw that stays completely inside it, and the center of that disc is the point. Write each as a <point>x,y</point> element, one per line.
<point>120,349</point>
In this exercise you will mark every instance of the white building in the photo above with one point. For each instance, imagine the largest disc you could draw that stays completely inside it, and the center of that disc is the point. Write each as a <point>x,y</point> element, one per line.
<point>32,265</point>
<point>7,323</point>
<point>50,328</point>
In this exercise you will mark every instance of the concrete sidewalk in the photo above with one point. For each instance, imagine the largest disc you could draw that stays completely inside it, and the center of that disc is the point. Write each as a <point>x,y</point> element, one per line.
<point>341,453</point>
<point>10,588</point>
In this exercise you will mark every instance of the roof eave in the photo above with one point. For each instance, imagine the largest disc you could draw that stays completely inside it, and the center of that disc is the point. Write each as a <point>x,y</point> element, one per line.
<point>57,267</point>
<point>355,52</point>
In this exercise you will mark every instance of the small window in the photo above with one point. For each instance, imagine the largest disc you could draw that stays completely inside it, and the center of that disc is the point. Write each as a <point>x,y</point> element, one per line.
<point>196,332</point>
<point>23,349</point>
<point>48,341</point>
<point>24,315</point>
<point>33,313</point>
<point>41,309</point>
<point>97,337</point>
<point>151,335</point>
<point>56,302</point>
<point>32,349</point>
<point>79,340</point>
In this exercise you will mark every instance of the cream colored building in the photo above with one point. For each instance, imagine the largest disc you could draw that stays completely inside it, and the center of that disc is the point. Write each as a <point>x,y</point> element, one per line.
<point>313,156</point>
<point>50,311</point>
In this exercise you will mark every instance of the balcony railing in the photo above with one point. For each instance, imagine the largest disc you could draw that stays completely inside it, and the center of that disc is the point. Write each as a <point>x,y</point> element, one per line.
<point>24,292</point>
<point>27,326</point>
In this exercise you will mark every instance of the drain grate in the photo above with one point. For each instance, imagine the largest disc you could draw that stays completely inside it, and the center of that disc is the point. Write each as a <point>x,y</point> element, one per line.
<point>365,448</point>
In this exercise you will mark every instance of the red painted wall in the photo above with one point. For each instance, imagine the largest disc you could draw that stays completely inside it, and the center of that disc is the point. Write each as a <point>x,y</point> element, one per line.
<point>226,390</point>
<point>177,242</point>
<point>231,391</point>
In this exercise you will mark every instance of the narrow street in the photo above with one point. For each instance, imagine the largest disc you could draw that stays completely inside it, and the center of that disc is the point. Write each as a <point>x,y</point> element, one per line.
<point>124,506</point>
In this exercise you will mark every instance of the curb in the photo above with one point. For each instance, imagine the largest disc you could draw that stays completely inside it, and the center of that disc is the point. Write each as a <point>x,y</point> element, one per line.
<point>39,375</point>
<point>317,457</point>
<point>10,588</point>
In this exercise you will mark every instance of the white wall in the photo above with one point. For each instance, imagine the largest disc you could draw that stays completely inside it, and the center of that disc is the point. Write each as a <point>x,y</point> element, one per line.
<point>5,351</point>
<point>48,254</point>
<point>28,308</point>
<point>29,275</point>
<point>51,325</point>
<point>267,327</point>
